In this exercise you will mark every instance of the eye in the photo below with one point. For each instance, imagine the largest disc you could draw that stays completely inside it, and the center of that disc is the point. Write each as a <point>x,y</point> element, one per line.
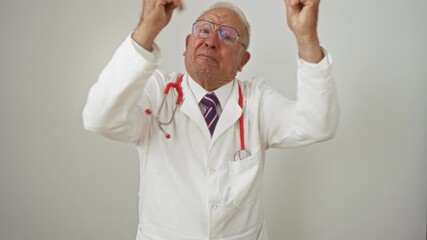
<point>204,31</point>
<point>228,35</point>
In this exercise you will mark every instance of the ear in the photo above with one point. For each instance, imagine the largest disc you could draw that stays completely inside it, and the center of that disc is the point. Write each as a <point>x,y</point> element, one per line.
<point>245,59</point>
<point>187,39</point>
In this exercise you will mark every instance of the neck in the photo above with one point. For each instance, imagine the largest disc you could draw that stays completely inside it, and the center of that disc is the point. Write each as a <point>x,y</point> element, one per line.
<point>208,82</point>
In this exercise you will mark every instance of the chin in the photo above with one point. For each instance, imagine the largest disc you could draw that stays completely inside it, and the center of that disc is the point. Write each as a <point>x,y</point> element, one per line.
<point>204,71</point>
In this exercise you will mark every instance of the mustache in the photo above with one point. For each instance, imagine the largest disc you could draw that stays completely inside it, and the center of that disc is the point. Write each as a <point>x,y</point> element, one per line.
<point>206,54</point>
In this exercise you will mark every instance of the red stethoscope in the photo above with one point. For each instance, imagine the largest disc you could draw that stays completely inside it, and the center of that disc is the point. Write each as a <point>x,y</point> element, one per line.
<point>243,153</point>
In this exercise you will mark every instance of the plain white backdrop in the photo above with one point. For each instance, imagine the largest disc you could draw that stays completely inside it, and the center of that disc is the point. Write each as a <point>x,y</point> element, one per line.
<point>368,183</point>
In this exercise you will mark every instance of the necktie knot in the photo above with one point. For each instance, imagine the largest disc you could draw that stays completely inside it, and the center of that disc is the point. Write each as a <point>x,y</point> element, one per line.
<point>210,100</point>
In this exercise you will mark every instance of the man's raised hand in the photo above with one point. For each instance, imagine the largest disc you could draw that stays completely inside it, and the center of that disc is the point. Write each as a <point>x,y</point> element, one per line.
<point>156,14</point>
<point>302,18</point>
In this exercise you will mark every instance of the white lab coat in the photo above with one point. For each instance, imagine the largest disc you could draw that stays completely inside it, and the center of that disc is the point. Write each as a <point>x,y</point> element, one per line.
<point>190,185</point>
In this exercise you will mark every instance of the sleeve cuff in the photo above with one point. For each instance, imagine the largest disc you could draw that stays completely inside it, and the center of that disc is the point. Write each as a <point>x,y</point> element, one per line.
<point>325,63</point>
<point>316,69</point>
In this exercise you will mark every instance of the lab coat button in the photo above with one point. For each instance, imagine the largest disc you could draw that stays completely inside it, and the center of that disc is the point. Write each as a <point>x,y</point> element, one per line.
<point>211,171</point>
<point>214,206</point>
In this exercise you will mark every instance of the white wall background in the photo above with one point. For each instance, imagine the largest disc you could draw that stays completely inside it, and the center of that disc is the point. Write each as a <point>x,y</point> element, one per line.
<point>369,183</point>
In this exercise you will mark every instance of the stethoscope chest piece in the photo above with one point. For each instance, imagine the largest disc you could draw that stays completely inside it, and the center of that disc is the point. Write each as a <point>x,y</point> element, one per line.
<point>241,155</point>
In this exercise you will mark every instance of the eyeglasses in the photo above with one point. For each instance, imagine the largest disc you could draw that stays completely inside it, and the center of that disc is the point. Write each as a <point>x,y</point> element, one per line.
<point>228,35</point>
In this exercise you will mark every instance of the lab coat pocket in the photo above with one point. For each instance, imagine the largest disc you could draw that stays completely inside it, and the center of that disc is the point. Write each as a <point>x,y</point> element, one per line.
<point>245,176</point>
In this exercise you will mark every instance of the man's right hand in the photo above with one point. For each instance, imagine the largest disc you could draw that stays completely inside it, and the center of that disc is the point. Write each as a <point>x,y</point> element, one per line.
<point>156,14</point>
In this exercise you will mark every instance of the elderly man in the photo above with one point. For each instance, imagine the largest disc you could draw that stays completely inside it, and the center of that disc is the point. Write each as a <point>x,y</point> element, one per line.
<point>203,179</point>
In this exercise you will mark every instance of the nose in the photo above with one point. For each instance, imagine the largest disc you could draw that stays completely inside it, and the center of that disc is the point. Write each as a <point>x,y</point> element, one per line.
<point>213,41</point>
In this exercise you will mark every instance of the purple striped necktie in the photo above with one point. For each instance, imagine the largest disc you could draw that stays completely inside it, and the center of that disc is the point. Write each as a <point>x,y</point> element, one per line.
<point>211,116</point>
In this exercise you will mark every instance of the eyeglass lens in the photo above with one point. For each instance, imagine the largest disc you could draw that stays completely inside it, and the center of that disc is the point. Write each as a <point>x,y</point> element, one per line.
<point>204,28</point>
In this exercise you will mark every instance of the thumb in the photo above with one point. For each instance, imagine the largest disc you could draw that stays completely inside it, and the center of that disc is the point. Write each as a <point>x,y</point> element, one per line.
<point>293,7</point>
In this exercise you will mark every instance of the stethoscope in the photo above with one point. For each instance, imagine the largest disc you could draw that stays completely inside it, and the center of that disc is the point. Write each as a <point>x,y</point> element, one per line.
<point>240,155</point>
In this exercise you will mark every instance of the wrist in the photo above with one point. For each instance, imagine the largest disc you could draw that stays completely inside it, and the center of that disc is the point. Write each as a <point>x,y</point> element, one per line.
<point>309,49</point>
<point>144,36</point>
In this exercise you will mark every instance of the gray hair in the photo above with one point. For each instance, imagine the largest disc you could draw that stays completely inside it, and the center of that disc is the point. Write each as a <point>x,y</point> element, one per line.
<point>239,13</point>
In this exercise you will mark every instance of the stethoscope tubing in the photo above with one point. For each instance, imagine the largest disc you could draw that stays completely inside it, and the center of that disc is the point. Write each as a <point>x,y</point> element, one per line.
<point>178,88</point>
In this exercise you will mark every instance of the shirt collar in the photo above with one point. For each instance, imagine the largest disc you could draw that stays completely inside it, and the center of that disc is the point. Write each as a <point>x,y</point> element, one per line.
<point>223,93</point>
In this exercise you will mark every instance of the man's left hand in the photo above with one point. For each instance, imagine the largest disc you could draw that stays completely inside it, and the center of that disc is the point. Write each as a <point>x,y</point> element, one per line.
<point>302,20</point>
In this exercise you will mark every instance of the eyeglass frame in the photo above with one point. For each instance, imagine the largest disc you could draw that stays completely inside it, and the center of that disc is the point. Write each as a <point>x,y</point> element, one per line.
<point>239,38</point>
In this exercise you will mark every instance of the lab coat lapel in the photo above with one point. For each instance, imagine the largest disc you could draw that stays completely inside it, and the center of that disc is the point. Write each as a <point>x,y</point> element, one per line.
<point>191,108</point>
<point>230,113</point>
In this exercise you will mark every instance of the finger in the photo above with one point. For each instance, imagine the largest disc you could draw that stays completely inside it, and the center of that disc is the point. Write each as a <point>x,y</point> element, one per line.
<point>172,4</point>
<point>293,6</point>
<point>311,3</point>
<point>179,4</point>
<point>293,3</point>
